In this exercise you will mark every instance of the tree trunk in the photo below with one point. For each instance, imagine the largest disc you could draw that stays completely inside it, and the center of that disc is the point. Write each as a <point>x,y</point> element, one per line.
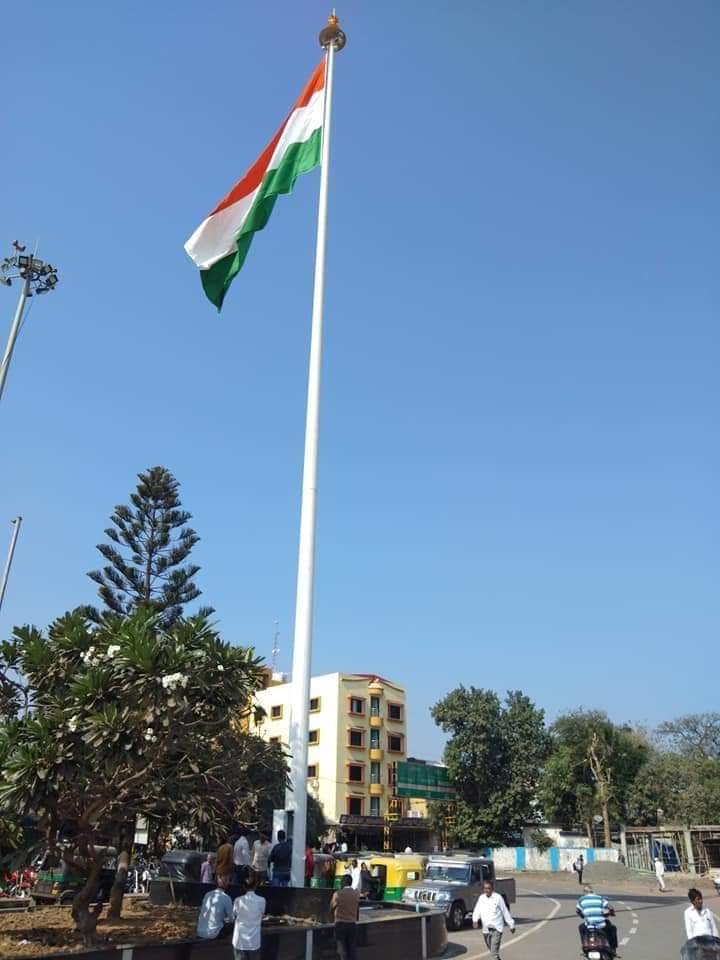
<point>86,918</point>
<point>588,831</point>
<point>118,889</point>
<point>606,825</point>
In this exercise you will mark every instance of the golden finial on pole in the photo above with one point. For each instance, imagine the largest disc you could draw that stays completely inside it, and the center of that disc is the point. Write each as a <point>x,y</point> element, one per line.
<point>332,34</point>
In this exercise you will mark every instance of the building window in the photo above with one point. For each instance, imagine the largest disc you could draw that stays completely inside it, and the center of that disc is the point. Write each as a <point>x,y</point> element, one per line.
<point>374,706</point>
<point>356,738</point>
<point>313,737</point>
<point>395,743</point>
<point>356,773</point>
<point>274,739</point>
<point>395,711</point>
<point>276,712</point>
<point>374,806</point>
<point>357,706</point>
<point>312,771</point>
<point>374,739</point>
<point>375,772</point>
<point>314,704</point>
<point>354,806</point>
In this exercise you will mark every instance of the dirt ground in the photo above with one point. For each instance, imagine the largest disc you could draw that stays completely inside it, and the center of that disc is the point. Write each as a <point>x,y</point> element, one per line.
<point>50,929</point>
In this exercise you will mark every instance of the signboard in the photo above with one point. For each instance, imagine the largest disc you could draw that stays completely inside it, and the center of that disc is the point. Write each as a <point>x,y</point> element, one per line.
<point>424,781</point>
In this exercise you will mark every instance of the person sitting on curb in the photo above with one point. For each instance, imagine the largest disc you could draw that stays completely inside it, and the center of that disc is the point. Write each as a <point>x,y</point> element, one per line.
<point>216,913</point>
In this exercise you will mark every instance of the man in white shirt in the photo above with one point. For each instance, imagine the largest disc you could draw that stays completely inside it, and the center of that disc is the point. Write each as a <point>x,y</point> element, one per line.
<point>699,921</point>
<point>248,912</point>
<point>494,916</point>
<point>660,874</point>
<point>261,857</point>
<point>355,874</point>
<point>216,913</point>
<point>241,857</point>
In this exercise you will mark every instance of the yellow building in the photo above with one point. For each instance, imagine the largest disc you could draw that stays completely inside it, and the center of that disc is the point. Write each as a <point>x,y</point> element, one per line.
<point>357,731</point>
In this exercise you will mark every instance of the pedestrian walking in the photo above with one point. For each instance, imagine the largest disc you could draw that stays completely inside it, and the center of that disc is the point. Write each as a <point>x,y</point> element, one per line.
<point>699,920</point>
<point>281,860</point>
<point>241,857</point>
<point>355,874</point>
<point>224,862</point>
<point>216,913</point>
<point>345,906</point>
<point>309,864</point>
<point>261,858</point>
<point>660,874</point>
<point>578,867</point>
<point>492,913</point>
<point>248,911</point>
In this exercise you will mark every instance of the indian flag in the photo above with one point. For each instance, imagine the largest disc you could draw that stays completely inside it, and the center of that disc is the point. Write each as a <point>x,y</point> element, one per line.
<point>221,242</point>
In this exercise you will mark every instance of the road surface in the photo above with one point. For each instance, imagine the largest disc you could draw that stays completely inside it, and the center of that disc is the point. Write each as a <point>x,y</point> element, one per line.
<point>650,925</point>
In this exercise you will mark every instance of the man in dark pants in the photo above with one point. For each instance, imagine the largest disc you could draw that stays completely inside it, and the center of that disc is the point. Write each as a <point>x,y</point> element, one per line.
<point>345,904</point>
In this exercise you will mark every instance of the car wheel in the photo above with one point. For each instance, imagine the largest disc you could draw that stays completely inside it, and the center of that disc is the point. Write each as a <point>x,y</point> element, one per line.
<point>66,898</point>
<point>457,916</point>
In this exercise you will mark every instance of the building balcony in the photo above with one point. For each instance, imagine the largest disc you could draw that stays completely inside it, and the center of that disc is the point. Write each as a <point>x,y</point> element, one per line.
<point>375,753</point>
<point>376,722</point>
<point>376,789</point>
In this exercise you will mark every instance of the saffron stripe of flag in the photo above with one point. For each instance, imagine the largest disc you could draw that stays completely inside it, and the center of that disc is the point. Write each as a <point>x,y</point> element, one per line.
<point>220,244</point>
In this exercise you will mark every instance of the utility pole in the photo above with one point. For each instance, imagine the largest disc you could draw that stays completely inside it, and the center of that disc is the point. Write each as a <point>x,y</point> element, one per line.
<point>11,553</point>
<point>37,277</point>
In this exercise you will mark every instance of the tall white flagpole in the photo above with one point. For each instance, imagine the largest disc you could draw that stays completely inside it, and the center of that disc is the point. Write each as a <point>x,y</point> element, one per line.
<point>332,39</point>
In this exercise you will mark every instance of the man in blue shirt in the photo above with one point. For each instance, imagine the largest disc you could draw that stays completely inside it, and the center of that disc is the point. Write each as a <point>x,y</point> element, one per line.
<point>596,911</point>
<point>216,913</point>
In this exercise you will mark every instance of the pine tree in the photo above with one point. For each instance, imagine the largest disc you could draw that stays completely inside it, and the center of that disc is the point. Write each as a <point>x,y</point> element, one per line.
<point>150,544</point>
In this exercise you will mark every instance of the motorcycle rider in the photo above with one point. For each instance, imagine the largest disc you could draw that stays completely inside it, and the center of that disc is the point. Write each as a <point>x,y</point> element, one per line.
<point>595,912</point>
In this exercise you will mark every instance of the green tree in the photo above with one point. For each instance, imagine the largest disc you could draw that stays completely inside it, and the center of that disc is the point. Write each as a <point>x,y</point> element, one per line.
<point>590,770</point>
<point>494,757</point>
<point>130,717</point>
<point>672,787</point>
<point>694,735</point>
<point>150,544</point>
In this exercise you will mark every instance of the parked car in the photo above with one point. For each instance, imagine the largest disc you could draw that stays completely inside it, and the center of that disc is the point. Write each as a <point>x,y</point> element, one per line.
<point>455,883</point>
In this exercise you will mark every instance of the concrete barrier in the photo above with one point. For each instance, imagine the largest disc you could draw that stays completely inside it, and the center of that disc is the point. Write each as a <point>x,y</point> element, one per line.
<point>513,859</point>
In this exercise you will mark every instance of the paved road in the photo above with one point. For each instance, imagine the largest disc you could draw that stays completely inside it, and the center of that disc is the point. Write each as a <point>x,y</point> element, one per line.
<point>650,925</point>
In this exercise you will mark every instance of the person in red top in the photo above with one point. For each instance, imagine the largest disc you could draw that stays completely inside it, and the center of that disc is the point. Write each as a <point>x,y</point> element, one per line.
<point>309,864</point>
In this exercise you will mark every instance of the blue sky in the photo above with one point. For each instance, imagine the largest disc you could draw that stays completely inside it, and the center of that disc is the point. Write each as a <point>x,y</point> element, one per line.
<point>519,458</point>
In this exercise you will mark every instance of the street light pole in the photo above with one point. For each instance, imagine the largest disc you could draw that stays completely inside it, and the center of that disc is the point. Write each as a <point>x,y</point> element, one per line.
<point>14,329</point>
<point>37,277</point>
<point>17,522</point>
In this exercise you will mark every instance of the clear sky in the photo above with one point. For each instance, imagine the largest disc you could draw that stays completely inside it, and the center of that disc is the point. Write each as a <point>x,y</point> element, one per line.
<point>519,455</point>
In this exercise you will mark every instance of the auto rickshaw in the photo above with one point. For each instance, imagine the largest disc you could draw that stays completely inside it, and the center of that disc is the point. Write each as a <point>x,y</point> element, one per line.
<point>59,882</point>
<point>388,873</point>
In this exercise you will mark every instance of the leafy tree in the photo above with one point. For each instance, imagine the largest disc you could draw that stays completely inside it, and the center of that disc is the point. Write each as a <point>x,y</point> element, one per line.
<point>695,735</point>
<point>494,757</point>
<point>150,544</point>
<point>590,770</point>
<point>131,717</point>
<point>674,788</point>
<point>542,840</point>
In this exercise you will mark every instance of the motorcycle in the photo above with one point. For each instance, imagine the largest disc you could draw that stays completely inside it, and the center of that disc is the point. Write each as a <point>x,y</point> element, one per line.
<point>596,946</point>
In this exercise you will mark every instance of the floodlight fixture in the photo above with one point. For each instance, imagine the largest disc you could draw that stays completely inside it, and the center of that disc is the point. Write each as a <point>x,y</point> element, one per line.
<point>36,276</point>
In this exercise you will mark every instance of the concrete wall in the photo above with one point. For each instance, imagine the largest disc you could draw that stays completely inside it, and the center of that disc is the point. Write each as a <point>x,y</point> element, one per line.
<point>556,858</point>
